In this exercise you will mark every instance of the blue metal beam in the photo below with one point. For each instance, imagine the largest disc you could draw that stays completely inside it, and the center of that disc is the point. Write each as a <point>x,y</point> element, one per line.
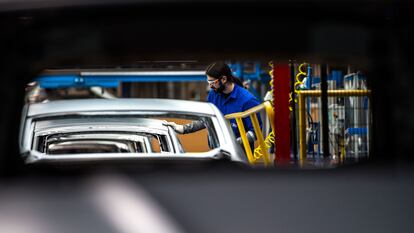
<point>113,79</point>
<point>108,81</point>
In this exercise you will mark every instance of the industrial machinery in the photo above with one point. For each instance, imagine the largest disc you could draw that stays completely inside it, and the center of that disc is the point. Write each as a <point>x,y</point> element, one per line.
<point>348,116</point>
<point>357,122</point>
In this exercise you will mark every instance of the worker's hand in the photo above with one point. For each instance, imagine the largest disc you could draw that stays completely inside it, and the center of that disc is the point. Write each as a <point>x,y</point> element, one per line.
<point>177,128</point>
<point>250,136</point>
<point>239,140</point>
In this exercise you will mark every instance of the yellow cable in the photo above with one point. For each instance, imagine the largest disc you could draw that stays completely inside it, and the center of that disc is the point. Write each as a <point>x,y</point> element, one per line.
<point>271,79</point>
<point>297,82</point>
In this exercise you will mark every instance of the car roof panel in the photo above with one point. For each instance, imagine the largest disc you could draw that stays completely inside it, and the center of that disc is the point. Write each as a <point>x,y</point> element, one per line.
<point>97,121</point>
<point>97,105</point>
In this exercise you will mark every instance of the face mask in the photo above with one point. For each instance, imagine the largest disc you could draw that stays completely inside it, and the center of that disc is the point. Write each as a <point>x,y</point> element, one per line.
<point>220,89</point>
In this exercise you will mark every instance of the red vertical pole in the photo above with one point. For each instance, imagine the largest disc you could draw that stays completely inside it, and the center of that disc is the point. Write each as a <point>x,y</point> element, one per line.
<point>281,91</point>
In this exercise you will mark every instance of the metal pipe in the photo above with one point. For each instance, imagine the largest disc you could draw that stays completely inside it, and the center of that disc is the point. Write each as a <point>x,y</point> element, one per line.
<point>324,100</point>
<point>270,113</point>
<point>293,114</point>
<point>260,138</point>
<point>245,141</point>
<point>252,114</point>
<point>302,127</point>
<point>246,113</point>
<point>336,93</point>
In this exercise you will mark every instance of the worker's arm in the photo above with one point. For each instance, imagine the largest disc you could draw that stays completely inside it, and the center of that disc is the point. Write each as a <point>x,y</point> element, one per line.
<point>187,128</point>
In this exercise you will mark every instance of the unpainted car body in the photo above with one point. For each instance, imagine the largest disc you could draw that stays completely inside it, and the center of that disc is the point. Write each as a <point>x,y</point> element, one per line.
<point>119,129</point>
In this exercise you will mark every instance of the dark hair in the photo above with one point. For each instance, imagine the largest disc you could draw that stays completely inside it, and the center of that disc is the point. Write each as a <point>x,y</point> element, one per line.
<point>219,69</point>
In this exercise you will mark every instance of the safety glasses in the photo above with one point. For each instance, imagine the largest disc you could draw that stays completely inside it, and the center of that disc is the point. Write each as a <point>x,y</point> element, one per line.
<point>212,82</point>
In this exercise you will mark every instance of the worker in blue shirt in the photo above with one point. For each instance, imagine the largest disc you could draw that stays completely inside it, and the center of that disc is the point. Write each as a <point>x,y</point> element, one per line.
<point>229,96</point>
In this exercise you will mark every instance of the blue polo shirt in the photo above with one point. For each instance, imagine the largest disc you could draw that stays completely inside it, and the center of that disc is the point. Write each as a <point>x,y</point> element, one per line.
<point>239,100</point>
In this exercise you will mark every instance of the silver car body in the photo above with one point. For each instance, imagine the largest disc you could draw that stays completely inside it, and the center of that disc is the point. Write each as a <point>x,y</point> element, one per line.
<point>114,123</point>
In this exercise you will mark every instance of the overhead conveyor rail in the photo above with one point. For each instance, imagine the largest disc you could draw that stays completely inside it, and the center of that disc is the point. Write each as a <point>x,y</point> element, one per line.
<point>112,79</point>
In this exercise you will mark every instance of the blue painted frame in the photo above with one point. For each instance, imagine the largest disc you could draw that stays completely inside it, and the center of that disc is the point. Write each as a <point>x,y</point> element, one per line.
<point>74,80</point>
<point>54,81</point>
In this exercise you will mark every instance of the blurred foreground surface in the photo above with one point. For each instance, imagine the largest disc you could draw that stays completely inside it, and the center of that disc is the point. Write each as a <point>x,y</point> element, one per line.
<point>362,198</point>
